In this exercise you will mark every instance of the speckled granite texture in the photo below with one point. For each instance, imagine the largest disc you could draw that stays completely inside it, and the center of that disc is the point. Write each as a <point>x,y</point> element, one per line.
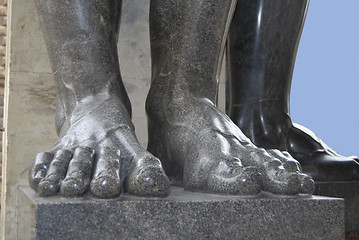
<point>350,192</point>
<point>183,215</point>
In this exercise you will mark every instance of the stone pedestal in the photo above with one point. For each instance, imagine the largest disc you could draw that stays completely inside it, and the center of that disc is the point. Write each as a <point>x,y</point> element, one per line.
<point>350,192</point>
<point>183,215</point>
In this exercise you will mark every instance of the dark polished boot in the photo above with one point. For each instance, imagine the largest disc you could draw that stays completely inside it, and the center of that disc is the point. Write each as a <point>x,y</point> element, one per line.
<point>262,45</point>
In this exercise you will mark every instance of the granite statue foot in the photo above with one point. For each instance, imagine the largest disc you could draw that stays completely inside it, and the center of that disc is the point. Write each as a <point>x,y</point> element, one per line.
<point>202,149</point>
<point>199,146</point>
<point>97,148</point>
<point>96,144</point>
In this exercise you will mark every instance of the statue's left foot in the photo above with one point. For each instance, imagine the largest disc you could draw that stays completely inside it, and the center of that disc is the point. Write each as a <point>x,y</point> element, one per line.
<point>202,148</point>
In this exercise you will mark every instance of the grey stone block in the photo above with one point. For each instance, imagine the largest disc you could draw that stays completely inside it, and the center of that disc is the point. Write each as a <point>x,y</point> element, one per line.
<point>350,192</point>
<point>183,215</point>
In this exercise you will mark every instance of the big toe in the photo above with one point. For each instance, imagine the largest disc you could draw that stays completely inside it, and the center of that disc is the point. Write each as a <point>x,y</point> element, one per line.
<point>280,181</point>
<point>147,178</point>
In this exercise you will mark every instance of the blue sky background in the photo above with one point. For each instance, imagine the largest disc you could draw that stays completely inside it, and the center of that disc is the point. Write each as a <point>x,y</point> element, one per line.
<point>325,87</point>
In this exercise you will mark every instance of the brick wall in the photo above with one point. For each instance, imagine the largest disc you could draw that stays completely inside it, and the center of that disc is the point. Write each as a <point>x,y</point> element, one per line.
<point>3,10</point>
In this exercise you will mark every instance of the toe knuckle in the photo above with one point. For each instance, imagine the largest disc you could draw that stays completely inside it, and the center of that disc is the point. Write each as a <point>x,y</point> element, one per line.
<point>80,151</point>
<point>63,153</point>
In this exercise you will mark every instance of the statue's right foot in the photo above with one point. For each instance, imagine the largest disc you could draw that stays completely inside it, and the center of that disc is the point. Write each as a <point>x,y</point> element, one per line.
<point>96,145</point>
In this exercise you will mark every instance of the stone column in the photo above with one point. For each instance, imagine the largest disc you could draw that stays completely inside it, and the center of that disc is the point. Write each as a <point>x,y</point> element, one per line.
<point>3,12</point>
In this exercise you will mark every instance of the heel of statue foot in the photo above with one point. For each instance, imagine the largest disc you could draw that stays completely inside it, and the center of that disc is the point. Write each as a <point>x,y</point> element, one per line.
<point>147,177</point>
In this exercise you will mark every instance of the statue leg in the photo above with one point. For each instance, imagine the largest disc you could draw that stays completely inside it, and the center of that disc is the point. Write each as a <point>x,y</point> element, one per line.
<point>262,44</point>
<point>97,148</point>
<point>199,146</point>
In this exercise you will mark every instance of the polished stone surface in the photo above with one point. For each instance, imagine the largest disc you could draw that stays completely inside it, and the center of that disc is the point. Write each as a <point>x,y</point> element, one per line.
<point>350,192</point>
<point>183,215</point>
<point>199,146</point>
<point>262,46</point>
<point>97,147</point>
<point>31,92</point>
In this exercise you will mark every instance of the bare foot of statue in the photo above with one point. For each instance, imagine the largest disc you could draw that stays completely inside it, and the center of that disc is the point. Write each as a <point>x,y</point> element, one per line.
<point>97,142</point>
<point>261,59</point>
<point>97,149</point>
<point>199,146</point>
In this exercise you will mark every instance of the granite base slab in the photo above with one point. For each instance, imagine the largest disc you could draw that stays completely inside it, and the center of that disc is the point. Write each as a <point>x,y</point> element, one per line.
<point>350,192</point>
<point>183,215</point>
